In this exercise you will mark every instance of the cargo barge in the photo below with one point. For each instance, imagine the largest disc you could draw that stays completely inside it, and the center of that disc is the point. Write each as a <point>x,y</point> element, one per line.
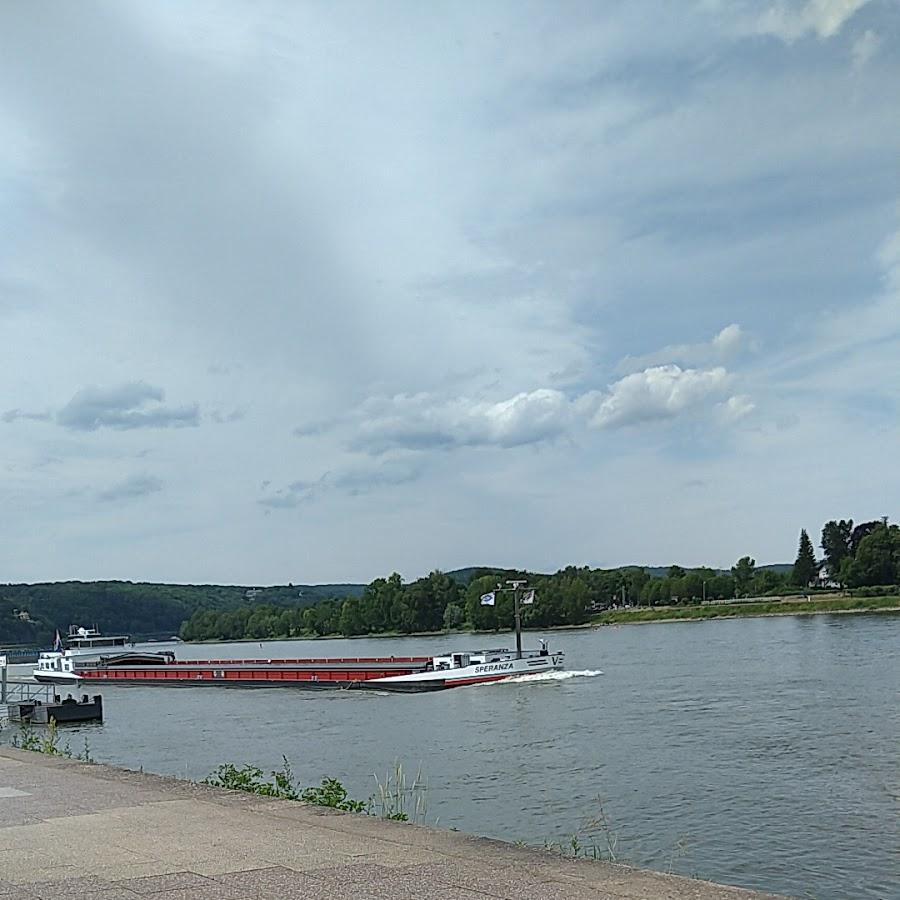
<point>379,673</point>
<point>164,669</point>
<point>384,673</point>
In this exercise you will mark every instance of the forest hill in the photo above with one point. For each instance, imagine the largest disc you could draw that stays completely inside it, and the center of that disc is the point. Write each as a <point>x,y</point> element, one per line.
<point>854,555</point>
<point>866,555</point>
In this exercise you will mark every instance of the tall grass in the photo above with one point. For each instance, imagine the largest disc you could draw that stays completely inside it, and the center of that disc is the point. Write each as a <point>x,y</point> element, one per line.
<point>399,799</point>
<point>396,798</point>
<point>47,742</point>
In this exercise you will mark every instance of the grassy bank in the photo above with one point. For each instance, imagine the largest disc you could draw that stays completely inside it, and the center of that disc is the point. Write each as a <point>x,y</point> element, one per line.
<point>733,610</point>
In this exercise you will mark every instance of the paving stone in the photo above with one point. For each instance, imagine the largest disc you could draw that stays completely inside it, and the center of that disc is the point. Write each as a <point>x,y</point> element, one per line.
<point>271,882</point>
<point>8,891</point>
<point>107,893</point>
<point>154,884</point>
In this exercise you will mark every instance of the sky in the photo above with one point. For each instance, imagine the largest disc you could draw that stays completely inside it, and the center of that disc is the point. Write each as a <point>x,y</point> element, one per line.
<point>314,292</point>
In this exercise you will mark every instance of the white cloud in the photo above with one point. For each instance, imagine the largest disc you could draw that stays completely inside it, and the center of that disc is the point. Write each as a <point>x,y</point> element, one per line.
<point>728,341</point>
<point>864,48</point>
<point>792,21</point>
<point>725,345</point>
<point>423,422</point>
<point>736,408</point>
<point>660,392</point>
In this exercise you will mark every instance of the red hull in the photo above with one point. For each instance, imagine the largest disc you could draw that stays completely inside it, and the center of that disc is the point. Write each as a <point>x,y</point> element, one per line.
<point>256,672</point>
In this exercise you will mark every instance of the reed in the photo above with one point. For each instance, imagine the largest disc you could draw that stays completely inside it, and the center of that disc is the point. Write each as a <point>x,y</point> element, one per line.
<point>398,799</point>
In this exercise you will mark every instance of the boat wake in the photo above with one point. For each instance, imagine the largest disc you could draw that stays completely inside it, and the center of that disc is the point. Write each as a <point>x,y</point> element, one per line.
<point>548,676</point>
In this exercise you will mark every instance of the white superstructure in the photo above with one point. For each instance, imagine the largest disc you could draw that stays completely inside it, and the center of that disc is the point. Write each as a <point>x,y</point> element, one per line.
<point>56,667</point>
<point>473,667</point>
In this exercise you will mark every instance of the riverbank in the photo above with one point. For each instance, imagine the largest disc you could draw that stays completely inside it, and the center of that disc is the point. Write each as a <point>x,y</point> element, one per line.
<point>74,829</point>
<point>789,607</point>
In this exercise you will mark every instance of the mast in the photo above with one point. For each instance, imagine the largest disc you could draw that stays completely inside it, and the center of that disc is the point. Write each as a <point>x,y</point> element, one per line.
<point>515,587</point>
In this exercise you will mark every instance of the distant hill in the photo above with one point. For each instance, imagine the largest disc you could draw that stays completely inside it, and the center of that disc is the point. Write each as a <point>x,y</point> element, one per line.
<point>30,613</point>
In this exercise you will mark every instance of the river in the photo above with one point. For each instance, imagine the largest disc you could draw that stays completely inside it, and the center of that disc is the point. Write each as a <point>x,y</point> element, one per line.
<point>757,752</point>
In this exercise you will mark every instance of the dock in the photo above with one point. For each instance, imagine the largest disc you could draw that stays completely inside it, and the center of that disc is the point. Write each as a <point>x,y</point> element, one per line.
<point>71,829</point>
<point>39,704</point>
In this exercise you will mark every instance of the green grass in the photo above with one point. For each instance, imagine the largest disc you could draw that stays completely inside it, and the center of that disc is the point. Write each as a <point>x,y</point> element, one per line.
<point>716,611</point>
<point>397,798</point>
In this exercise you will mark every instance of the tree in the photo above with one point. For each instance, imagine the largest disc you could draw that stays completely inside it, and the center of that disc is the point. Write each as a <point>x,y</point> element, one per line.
<point>403,616</point>
<point>454,616</point>
<point>720,588</point>
<point>861,532</point>
<point>767,580</point>
<point>743,571</point>
<point>805,566</point>
<point>378,601</point>
<point>836,544</point>
<point>878,557</point>
<point>692,586</point>
<point>351,619</point>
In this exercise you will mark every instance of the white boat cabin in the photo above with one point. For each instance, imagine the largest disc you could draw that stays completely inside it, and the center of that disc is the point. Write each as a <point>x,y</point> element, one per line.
<point>86,639</point>
<point>54,664</point>
<point>464,658</point>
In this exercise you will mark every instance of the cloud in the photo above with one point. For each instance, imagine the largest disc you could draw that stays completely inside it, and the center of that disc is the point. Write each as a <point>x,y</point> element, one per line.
<point>13,415</point>
<point>864,48</point>
<point>824,18</point>
<point>354,480</point>
<point>223,418</point>
<point>124,407</point>
<point>567,190</point>
<point>131,488</point>
<point>423,422</point>
<point>660,392</point>
<point>736,408</point>
<point>725,345</point>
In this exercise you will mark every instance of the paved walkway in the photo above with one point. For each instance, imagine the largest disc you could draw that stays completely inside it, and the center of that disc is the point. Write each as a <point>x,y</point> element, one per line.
<point>91,832</point>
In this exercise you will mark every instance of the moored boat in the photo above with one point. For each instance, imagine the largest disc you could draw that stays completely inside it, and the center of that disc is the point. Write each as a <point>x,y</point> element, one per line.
<point>90,642</point>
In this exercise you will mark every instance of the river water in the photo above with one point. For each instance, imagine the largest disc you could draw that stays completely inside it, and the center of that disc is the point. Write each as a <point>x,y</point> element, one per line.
<point>758,752</point>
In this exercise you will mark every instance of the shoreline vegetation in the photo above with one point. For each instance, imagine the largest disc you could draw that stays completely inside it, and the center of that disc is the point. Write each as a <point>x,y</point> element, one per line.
<point>862,558</point>
<point>788,606</point>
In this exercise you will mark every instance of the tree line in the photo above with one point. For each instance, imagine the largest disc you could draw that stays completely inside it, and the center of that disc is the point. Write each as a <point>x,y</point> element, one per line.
<point>31,613</point>
<point>854,556</point>
<point>441,602</point>
<point>862,555</point>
